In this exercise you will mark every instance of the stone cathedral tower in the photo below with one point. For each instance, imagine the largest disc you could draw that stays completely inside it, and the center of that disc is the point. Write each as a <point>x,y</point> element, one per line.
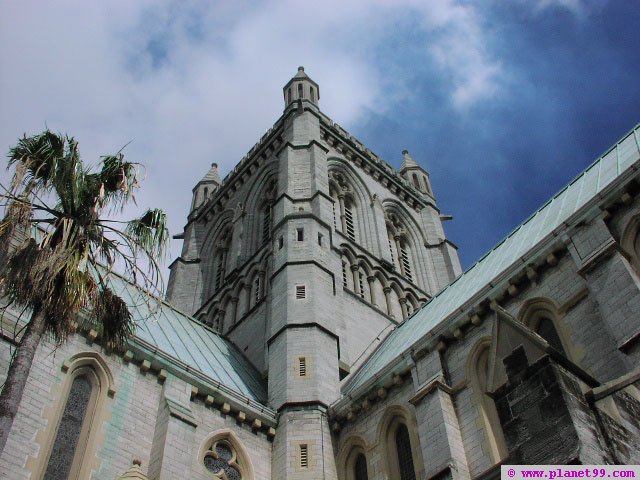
<point>306,255</point>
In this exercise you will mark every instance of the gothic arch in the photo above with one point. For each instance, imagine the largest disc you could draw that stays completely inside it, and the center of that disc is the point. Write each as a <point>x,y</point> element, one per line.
<point>214,253</point>
<point>406,241</point>
<point>630,241</point>
<point>240,460</point>
<point>542,315</point>
<point>477,373</point>
<point>393,418</point>
<point>344,180</point>
<point>259,202</point>
<point>352,448</point>
<point>90,381</point>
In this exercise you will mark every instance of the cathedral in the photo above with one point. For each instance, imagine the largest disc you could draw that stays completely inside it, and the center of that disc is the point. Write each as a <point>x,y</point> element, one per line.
<point>317,325</point>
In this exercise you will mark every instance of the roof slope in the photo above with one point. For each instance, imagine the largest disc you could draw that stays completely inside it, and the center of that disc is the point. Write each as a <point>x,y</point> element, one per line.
<point>525,237</point>
<point>189,341</point>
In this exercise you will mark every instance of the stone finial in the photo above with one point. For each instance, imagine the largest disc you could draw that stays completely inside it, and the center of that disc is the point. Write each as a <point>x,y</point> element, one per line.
<point>212,175</point>
<point>135,471</point>
<point>407,161</point>
<point>301,88</point>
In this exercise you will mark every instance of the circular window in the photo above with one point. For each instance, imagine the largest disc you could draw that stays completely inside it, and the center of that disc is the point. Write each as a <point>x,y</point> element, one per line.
<point>221,460</point>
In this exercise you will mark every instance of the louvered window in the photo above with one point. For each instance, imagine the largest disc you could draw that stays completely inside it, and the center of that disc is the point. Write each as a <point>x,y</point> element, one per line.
<point>302,366</point>
<point>335,225</point>
<point>406,264</point>
<point>393,257</point>
<point>405,458</point>
<point>266,224</point>
<point>344,275</point>
<point>220,271</point>
<point>301,292</point>
<point>304,456</point>
<point>348,216</point>
<point>257,291</point>
<point>361,468</point>
<point>360,284</point>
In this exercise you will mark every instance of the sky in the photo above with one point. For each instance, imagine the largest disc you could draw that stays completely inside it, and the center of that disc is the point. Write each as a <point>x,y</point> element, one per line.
<point>502,102</point>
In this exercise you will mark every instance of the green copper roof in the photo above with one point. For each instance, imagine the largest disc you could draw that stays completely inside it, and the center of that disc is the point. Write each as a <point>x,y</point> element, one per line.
<point>516,245</point>
<point>190,342</point>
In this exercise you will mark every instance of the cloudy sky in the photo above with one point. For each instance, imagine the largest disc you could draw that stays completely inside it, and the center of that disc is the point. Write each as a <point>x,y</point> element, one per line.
<point>504,102</point>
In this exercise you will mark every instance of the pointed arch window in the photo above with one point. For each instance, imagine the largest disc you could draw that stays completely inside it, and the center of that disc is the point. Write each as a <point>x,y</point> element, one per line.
<point>360,468</point>
<point>547,330</point>
<point>72,423</point>
<point>416,182</point>
<point>71,441</point>
<point>403,450</point>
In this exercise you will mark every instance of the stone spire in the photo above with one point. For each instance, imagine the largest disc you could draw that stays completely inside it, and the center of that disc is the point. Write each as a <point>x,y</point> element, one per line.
<point>407,161</point>
<point>417,176</point>
<point>301,87</point>
<point>205,187</point>
<point>212,175</point>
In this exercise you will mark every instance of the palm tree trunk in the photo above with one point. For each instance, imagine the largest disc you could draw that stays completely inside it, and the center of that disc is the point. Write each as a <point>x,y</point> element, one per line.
<point>18,373</point>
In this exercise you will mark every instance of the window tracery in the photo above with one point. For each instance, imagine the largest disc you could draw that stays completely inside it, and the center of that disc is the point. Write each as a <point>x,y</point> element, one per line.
<point>344,206</point>
<point>221,460</point>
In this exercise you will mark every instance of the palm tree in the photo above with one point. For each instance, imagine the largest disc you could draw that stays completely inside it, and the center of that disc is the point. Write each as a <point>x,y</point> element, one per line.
<point>57,249</point>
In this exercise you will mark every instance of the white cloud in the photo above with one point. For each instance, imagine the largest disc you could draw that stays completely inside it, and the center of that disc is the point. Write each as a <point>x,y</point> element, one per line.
<point>195,82</point>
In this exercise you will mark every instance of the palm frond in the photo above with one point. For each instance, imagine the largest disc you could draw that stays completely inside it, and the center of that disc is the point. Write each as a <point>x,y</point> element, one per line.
<point>150,232</point>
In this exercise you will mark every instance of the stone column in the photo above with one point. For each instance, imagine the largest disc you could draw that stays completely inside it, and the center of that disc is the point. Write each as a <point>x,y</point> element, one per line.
<point>355,270</point>
<point>403,306</point>
<point>343,220</point>
<point>371,279</point>
<point>387,297</point>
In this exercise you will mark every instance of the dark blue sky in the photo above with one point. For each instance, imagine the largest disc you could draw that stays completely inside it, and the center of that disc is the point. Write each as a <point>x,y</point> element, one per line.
<point>573,90</point>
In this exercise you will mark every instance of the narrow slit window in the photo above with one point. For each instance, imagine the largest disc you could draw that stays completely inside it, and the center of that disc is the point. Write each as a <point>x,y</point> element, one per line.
<point>360,284</point>
<point>302,366</point>
<point>300,234</point>
<point>304,456</point>
<point>312,95</point>
<point>300,91</point>
<point>289,95</point>
<point>301,292</point>
<point>266,224</point>
<point>257,291</point>
<point>280,243</point>
<point>344,275</point>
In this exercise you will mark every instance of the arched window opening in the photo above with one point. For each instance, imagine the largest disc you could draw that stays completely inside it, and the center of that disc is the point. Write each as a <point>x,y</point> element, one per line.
<point>312,94</point>
<point>405,457</point>
<point>70,428</point>
<point>416,182</point>
<point>289,96</point>
<point>547,330</point>
<point>300,91</point>
<point>478,370</point>
<point>360,468</point>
